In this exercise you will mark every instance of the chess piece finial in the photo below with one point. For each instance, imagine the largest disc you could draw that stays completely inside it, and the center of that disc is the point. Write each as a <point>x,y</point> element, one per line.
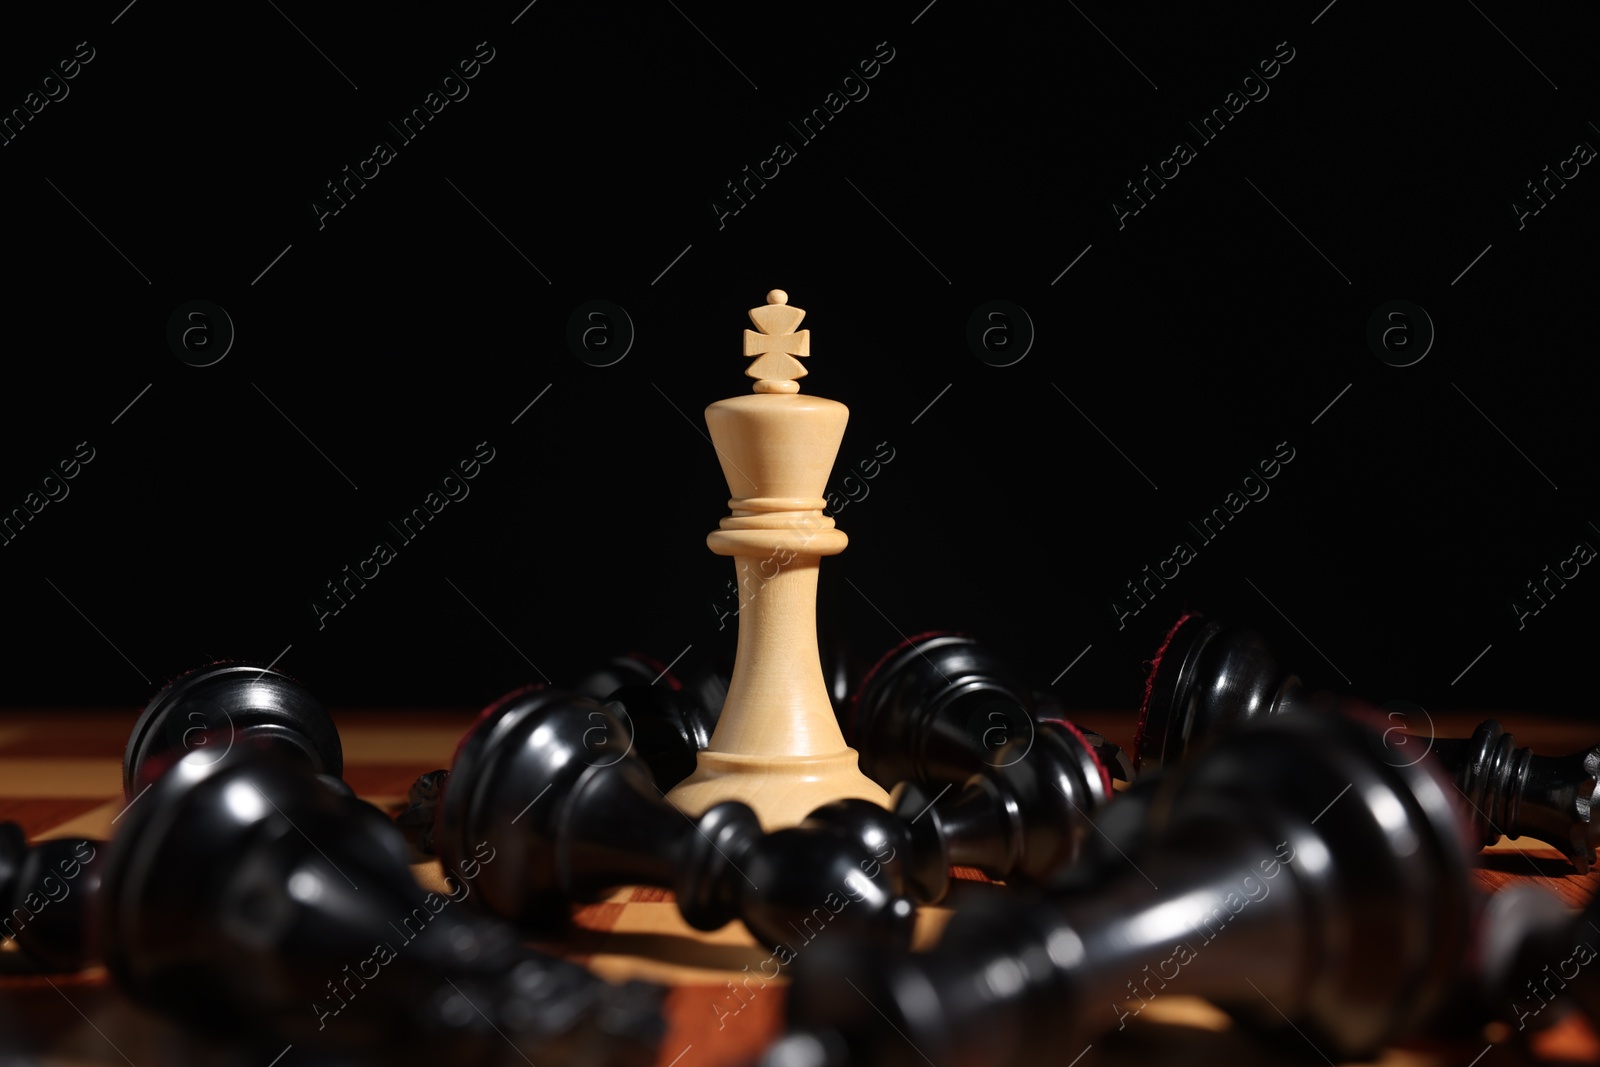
<point>777,345</point>
<point>777,745</point>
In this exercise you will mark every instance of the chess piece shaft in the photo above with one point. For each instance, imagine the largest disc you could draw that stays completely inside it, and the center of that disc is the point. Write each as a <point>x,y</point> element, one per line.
<point>1295,874</point>
<point>1209,677</point>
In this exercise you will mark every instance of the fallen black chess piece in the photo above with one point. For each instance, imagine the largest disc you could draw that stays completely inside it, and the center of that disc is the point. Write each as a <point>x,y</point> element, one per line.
<point>1295,874</point>
<point>228,704</point>
<point>1538,960</point>
<point>1208,677</point>
<point>667,727</point>
<point>550,776</point>
<point>248,898</point>
<point>1022,815</point>
<point>1021,819</point>
<point>939,707</point>
<point>44,889</point>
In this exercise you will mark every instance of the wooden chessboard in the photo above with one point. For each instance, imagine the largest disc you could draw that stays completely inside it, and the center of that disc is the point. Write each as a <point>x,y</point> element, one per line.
<point>60,776</point>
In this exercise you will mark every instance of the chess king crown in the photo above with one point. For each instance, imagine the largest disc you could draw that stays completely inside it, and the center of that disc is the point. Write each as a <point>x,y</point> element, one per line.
<point>777,446</point>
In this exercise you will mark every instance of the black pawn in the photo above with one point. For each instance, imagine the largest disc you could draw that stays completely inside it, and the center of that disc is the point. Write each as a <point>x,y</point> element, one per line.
<point>633,668</point>
<point>703,688</point>
<point>1294,875</point>
<point>223,706</point>
<point>548,776</point>
<point>938,708</point>
<point>667,727</point>
<point>45,895</point>
<point>1021,819</point>
<point>245,896</point>
<point>1208,677</point>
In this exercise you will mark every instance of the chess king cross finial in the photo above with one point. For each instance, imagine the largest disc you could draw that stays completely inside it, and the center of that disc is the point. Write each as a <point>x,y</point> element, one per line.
<point>777,344</point>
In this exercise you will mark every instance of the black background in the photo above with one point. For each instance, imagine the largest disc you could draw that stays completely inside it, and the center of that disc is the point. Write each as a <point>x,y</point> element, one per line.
<point>423,318</point>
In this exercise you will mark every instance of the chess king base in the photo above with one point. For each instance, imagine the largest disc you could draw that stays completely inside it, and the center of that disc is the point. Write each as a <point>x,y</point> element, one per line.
<point>777,746</point>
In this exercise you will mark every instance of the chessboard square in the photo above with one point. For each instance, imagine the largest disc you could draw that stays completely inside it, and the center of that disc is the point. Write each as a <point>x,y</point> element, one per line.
<point>649,894</point>
<point>653,942</point>
<point>60,777</point>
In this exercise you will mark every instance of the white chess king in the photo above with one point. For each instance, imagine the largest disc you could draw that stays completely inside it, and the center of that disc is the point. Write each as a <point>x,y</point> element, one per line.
<point>777,746</point>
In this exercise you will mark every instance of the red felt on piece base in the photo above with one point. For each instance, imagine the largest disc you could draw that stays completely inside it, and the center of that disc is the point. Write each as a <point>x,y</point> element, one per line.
<point>1150,683</point>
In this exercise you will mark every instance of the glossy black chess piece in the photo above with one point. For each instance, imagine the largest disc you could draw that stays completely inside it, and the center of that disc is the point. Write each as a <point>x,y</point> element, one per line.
<point>247,896</point>
<point>670,718</point>
<point>938,708</point>
<point>226,705</point>
<point>667,727</point>
<point>549,777</point>
<point>1539,959</point>
<point>704,687</point>
<point>44,893</point>
<point>632,668</point>
<point>1208,677</point>
<point>48,889</point>
<point>1020,819</point>
<point>1296,871</point>
<point>1023,815</point>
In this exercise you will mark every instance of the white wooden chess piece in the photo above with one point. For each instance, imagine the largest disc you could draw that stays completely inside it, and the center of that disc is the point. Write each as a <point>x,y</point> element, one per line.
<point>777,746</point>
